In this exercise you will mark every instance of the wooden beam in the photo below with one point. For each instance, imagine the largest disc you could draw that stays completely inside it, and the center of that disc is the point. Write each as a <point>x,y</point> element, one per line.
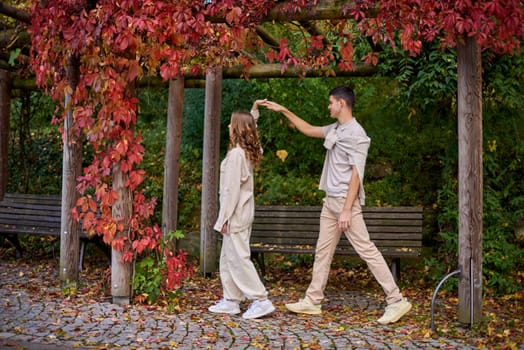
<point>275,71</point>
<point>210,170</point>
<point>69,270</point>
<point>267,37</point>
<point>314,30</point>
<point>469,67</point>
<point>259,71</point>
<point>175,111</point>
<point>121,272</point>
<point>13,12</point>
<point>324,10</point>
<point>122,209</point>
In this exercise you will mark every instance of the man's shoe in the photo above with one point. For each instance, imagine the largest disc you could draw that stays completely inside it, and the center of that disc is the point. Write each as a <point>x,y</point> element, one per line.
<point>225,307</point>
<point>395,311</point>
<point>304,306</point>
<point>259,308</point>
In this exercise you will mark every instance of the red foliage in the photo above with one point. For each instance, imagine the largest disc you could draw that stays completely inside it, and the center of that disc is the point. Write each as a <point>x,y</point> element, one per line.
<point>497,24</point>
<point>176,269</point>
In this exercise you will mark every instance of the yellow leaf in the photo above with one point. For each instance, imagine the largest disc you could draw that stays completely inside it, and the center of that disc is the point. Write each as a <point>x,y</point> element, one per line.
<point>282,154</point>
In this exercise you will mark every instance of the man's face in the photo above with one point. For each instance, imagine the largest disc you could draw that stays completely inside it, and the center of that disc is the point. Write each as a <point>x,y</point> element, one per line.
<point>335,107</point>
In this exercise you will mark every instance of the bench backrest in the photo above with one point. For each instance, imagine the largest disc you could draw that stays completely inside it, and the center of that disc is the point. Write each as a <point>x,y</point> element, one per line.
<point>30,214</point>
<point>396,231</point>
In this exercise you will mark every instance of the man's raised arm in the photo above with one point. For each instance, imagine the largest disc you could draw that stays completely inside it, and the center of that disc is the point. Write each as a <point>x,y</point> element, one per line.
<point>303,126</point>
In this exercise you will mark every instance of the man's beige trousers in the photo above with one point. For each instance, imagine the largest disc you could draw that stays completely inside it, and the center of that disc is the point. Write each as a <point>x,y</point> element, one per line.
<point>358,236</point>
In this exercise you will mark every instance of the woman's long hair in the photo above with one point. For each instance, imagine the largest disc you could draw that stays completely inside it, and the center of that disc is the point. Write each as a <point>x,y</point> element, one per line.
<point>243,132</point>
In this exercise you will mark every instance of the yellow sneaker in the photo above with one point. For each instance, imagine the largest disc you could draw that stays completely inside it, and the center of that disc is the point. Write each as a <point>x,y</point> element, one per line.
<point>304,306</point>
<point>395,311</point>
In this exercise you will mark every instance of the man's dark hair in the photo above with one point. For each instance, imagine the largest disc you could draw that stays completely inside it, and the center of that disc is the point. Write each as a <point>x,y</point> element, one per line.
<point>344,93</point>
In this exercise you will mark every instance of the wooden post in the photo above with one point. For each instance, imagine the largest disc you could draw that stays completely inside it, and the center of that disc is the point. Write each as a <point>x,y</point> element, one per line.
<point>210,172</point>
<point>71,169</point>
<point>175,111</point>
<point>121,272</point>
<point>470,179</point>
<point>5,113</point>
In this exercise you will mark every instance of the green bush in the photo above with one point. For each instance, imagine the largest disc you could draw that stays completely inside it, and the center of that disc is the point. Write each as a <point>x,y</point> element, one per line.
<point>502,251</point>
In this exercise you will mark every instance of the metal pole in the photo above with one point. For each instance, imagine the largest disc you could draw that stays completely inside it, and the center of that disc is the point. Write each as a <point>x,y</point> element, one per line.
<point>435,296</point>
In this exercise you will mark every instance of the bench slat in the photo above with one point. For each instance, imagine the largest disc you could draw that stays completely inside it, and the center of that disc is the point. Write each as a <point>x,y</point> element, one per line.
<point>401,252</point>
<point>290,241</point>
<point>32,199</point>
<point>31,217</point>
<point>372,227</point>
<point>298,236</point>
<point>305,215</point>
<point>318,208</point>
<point>20,207</point>
<point>51,231</point>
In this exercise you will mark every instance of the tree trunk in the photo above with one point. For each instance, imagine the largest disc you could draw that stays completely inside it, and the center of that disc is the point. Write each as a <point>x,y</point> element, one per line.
<point>5,113</point>
<point>175,111</point>
<point>121,272</point>
<point>71,169</point>
<point>210,170</point>
<point>470,180</point>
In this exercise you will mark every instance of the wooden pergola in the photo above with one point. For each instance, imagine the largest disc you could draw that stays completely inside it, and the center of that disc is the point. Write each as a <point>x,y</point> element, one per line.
<point>470,153</point>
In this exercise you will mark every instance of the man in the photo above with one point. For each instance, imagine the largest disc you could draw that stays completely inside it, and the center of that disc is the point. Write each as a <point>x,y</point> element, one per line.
<point>342,179</point>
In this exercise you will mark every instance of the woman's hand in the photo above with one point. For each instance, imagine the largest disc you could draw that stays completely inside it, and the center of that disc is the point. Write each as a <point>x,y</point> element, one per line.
<point>224,228</point>
<point>257,103</point>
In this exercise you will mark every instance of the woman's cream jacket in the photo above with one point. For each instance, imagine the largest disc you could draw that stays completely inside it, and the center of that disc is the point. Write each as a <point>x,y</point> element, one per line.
<point>237,203</point>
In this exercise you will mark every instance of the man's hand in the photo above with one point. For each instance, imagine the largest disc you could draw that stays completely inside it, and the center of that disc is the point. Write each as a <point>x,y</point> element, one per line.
<point>273,106</point>
<point>344,220</point>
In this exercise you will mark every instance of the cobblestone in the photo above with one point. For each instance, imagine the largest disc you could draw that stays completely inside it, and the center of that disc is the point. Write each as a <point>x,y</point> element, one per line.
<point>26,323</point>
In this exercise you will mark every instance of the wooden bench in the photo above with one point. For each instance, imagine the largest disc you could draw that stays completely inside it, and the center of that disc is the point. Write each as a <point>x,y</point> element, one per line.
<point>34,214</point>
<point>396,231</point>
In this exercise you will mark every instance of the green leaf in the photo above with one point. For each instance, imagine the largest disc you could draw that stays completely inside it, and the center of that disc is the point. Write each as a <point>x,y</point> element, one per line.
<point>13,55</point>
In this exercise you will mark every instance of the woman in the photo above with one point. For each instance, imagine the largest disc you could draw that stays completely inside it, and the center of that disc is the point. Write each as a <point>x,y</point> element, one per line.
<point>238,275</point>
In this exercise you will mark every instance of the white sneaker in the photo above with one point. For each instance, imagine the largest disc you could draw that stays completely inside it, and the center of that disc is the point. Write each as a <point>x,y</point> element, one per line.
<point>259,308</point>
<point>304,306</point>
<point>225,307</point>
<point>395,311</point>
